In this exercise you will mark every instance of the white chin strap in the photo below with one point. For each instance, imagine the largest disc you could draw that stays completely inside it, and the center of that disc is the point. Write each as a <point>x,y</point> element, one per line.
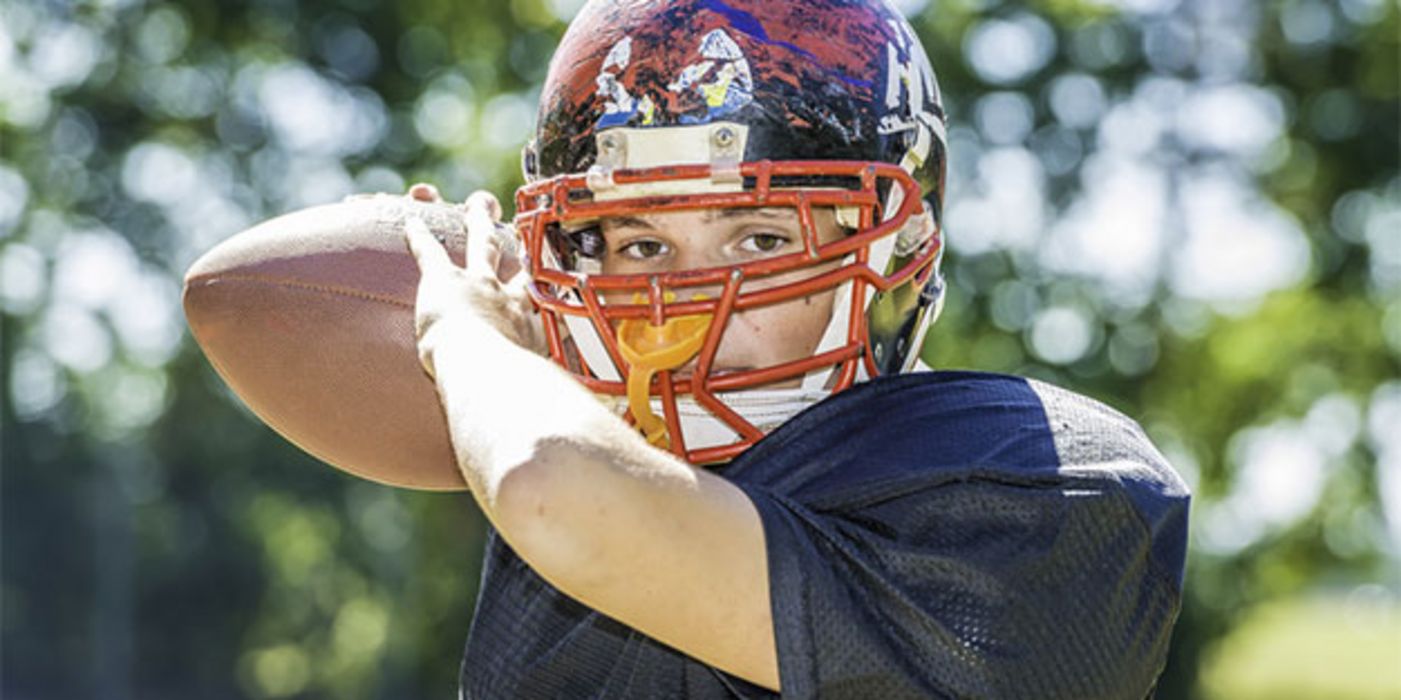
<point>835,336</point>
<point>765,409</point>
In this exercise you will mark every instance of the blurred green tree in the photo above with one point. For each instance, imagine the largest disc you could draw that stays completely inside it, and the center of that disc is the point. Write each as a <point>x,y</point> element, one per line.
<point>1188,209</point>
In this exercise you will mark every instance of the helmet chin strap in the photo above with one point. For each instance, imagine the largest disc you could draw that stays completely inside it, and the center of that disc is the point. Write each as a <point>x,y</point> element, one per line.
<point>765,409</point>
<point>834,337</point>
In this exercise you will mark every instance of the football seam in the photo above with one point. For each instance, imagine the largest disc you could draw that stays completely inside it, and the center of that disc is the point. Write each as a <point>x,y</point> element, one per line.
<point>327,288</point>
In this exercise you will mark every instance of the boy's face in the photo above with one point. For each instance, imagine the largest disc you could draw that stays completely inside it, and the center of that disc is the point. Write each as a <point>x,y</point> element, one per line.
<point>687,240</point>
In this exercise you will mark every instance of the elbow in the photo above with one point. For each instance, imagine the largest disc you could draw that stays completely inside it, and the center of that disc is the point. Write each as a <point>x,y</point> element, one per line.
<point>537,511</point>
<point>520,499</point>
<point>524,502</point>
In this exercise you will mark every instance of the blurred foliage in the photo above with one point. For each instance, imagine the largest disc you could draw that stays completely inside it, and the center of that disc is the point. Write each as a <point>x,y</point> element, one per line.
<point>1244,303</point>
<point>1311,648</point>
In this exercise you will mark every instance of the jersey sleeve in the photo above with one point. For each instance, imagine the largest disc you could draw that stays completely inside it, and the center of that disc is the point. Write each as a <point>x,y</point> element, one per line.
<point>1001,572</point>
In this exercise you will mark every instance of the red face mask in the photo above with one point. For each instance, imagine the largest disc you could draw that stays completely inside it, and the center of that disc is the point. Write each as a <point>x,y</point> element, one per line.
<point>677,318</point>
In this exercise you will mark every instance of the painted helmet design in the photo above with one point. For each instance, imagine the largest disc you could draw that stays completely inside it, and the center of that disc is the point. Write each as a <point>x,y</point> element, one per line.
<point>683,105</point>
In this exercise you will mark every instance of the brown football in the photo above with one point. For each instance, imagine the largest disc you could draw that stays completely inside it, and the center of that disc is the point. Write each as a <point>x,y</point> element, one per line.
<point>309,318</point>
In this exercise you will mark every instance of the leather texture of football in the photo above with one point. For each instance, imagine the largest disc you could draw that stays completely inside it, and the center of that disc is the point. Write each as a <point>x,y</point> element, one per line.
<point>309,318</point>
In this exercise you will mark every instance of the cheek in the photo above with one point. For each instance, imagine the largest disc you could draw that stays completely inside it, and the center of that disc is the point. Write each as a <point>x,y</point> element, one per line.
<point>780,333</point>
<point>820,305</point>
<point>810,317</point>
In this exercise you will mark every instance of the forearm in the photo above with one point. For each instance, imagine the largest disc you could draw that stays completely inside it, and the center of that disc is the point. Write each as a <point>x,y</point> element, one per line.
<point>507,408</point>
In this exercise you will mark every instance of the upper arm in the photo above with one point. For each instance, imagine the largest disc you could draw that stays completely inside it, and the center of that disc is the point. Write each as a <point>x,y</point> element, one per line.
<point>674,552</point>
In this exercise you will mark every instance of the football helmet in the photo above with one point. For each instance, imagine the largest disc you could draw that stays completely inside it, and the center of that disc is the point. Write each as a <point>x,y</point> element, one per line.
<point>680,105</point>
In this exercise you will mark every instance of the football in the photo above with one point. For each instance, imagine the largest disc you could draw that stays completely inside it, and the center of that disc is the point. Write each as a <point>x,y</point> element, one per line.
<point>309,318</point>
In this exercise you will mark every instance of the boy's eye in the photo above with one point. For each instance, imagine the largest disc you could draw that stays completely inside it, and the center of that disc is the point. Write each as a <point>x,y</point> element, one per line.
<point>763,242</point>
<point>643,249</point>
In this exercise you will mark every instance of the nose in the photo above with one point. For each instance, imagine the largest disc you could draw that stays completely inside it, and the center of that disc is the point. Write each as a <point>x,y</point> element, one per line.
<point>687,260</point>
<point>689,256</point>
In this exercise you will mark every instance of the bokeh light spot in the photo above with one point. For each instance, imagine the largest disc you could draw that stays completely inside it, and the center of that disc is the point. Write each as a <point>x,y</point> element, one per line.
<point>1099,45</point>
<point>24,277</point>
<point>443,115</point>
<point>1013,305</point>
<point>157,172</point>
<point>163,35</point>
<point>564,10</point>
<point>36,384</point>
<point>507,121</point>
<point>1239,246</point>
<point>281,671</point>
<point>360,629</point>
<point>1061,335</point>
<point>1077,100</point>
<point>1133,350</point>
<point>14,196</point>
<point>1306,22</point>
<point>75,338</point>
<point>1004,51</point>
<point>317,116</point>
<point>64,54</point>
<point>1168,45</point>
<point>347,49</point>
<point>1114,231</point>
<point>1236,119</point>
<point>1005,118</point>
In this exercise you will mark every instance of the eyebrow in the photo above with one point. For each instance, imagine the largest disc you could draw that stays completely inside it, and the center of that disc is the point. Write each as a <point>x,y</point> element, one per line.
<point>729,213</point>
<point>629,222</point>
<point>741,212</point>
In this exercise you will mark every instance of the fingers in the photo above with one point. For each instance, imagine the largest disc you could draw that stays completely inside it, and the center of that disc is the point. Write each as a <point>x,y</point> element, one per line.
<point>482,212</point>
<point>482,198</point>
<point>483,248</point>
<point>505,258</point>
<point>485,243</point>
<point>424,192</point>
<point>478,289</point>
<point>427,251</point>
<point>435,268</point>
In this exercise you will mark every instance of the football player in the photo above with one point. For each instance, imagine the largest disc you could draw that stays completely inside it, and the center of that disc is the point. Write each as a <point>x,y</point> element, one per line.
<point>690,402</point>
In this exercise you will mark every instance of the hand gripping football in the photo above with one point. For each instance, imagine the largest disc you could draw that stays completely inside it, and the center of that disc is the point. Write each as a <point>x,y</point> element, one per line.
<point>309,317</point>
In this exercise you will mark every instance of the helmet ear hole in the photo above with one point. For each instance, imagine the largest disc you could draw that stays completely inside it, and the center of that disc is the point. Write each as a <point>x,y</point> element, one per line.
<point>530,162</point>
<point>578,249</point>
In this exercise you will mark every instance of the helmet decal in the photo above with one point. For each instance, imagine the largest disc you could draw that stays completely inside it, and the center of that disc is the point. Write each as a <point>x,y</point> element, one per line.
<point>909,78</point>
<point>731,86</point>
<point>619,106</point>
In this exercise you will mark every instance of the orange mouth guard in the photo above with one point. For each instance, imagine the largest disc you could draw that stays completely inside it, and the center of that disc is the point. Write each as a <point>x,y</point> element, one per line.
<point>649,349</point>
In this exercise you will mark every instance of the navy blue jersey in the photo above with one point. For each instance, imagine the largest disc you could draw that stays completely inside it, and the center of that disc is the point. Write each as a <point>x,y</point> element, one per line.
<point>938,534</point>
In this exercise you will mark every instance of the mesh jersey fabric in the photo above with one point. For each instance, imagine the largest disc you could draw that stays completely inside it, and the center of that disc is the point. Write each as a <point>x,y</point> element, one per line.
<point>937,534</point>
